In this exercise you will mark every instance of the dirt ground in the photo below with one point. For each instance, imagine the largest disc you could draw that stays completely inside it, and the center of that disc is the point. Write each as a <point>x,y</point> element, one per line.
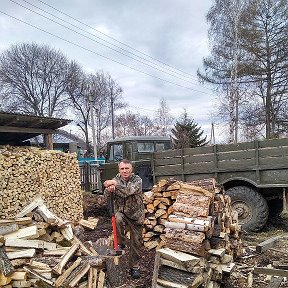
<point>95,206</point>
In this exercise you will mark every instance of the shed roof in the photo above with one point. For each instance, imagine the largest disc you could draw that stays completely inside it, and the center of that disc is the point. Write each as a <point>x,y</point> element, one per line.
<point>16,128</point>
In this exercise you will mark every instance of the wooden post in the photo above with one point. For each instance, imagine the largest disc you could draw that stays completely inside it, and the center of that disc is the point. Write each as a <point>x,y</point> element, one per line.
<point>284,201</point>
<point>48,141</point>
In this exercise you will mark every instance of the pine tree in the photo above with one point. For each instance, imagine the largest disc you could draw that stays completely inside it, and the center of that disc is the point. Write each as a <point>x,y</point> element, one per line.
<point>187,134</point>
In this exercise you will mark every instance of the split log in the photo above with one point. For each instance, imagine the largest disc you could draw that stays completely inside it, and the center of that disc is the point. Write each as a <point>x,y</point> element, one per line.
<point>23,243</point>
<point>6,266</point>
<point>27,253</point>
<point>192,205</point>
<point>173,275</point>
<point>101,279</point>
<point>89,224</point>
<point>83,270</point>
<point>192,227</point>
<point>26,232</point>
<point>30,207</point>
<point>60,280</point>
<point>8,228</point>
<point>37,275</point>
<point>65,258</point>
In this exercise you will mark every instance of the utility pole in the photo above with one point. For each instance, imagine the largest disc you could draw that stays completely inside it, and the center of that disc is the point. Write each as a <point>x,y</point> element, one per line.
<point>112,113</point>
<point>93,126</point>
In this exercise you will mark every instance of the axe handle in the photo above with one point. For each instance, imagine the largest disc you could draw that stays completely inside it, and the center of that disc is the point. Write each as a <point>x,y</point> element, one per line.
<point>114,227</point>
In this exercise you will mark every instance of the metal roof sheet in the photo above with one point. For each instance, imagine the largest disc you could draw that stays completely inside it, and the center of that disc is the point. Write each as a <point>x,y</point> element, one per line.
<point>16,128</point>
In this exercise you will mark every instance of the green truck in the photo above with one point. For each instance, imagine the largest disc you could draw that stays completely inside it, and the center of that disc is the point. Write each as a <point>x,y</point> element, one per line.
<point>254,174</point>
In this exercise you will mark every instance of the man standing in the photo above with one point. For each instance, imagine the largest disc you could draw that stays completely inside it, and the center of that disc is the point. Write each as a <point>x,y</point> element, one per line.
<point>129,207</point>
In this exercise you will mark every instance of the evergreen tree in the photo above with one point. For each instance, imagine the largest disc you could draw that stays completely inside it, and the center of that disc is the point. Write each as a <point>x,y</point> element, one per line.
<point>187,134</point>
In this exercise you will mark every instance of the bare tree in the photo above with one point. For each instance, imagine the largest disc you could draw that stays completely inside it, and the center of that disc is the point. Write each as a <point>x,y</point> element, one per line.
<point>114,96</point>
<point>264,39</point>
<point>78,91</point>
<point>163,118</point>
<point>131,124</point>
<point>34,79</point>
<point>252,73</point>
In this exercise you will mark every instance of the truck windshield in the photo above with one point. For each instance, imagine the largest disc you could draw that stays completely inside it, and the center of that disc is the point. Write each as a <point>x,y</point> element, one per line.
<point>162,146</point>
<point>145,147</point>
<point>116,152</point>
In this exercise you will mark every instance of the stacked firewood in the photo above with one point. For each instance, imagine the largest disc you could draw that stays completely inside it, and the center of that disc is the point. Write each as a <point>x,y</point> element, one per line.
<point>26,172</point>
<point>195,218</point>
<point>39,249</point>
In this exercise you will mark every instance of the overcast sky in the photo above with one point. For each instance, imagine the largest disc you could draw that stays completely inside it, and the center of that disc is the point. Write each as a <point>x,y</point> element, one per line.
<point>171,31</point>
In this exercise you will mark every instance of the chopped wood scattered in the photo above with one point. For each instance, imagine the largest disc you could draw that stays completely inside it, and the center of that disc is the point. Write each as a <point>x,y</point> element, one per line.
<point>40,250</point>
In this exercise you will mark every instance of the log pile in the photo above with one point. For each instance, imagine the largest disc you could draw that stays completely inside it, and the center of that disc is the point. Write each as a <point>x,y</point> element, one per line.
<point>27,172</point>
<point>195,219</point>
<point>39,249</point>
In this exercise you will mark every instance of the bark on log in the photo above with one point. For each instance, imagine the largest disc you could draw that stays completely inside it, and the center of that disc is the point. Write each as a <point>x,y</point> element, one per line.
<point>6,266</point>
<point>116,270</point>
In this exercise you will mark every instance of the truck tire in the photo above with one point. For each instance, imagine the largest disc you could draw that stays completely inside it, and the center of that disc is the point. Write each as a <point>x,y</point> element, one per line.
<point>252,208</point>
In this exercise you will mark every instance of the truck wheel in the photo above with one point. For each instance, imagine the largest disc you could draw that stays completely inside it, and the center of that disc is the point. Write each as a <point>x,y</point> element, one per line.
<point>252,208</point>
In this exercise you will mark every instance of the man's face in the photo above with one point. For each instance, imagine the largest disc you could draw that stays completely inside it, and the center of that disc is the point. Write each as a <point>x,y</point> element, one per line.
<point>125,170</point>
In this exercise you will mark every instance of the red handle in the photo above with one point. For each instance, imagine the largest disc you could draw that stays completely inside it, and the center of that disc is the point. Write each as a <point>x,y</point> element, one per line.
<point>114,233</point>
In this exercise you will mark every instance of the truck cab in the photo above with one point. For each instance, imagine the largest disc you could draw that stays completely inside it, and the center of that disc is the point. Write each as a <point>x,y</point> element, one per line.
<point>137,149</point>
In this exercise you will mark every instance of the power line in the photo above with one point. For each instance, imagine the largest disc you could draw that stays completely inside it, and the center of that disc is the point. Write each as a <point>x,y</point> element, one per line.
<point>143,58</point>
<point>159,69</point>
<point>126,45</point>
<point>84,48</point>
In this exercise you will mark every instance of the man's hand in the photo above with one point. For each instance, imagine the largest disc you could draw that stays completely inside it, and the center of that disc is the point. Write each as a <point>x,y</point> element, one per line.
<point>110,185</point>
<point>111,188</point>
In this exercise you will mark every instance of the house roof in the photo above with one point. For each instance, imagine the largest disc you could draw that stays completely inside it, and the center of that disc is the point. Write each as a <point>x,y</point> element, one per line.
<point>16,128</point>
<point>140,138</point>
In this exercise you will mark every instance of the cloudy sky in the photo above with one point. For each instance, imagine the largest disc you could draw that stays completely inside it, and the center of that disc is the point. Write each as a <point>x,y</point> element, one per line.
<point>174,32</point>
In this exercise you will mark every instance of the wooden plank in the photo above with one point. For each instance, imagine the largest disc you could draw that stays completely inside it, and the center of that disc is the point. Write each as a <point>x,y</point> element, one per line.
<point>275,282</point>
<point>169,284</point>
<point>217,252</point>
<point>168,161</point>
<point>273,143</point>
<point>156,269</point>
<point>271,271</point>
<point>265,245</point>
<point>206,158</point>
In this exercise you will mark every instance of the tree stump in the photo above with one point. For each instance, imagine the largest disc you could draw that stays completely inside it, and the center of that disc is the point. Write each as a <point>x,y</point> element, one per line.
<point>116,270</point>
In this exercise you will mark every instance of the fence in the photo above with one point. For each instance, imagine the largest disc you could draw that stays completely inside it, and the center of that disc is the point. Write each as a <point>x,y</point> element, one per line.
<point>90,176</point>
